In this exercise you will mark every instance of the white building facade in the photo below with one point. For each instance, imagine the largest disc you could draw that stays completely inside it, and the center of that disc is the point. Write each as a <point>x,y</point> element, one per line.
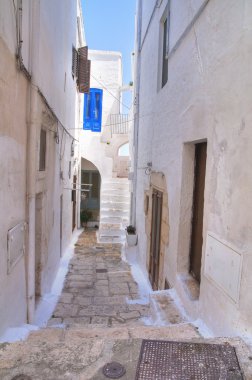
<point>192,153</point>
<point>101,147</point>
<point>100,142</point>
<point>40,110</point>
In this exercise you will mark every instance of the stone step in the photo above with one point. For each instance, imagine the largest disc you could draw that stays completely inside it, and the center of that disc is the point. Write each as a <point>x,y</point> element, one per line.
<point>113,192</point>
<point>53,334</point>
<point>116,219</point>
<point>163,309</point>
<point>115,198</point>
<point>111,232</point>
<point>111,226</point>
<point>114,212</point>
<point>115,205</point>
<point>111,239</point>
<point>115,180</point>
<point>115,186</point>
<point>80,353</point>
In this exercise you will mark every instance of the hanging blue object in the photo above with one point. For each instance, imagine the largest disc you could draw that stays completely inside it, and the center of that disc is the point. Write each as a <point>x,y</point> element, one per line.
<point>92,116</point>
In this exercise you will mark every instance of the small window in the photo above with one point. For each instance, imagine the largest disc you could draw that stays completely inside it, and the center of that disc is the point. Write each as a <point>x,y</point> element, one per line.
<point>42,150</point>
<point>165,26</point>
<point>93,110</point>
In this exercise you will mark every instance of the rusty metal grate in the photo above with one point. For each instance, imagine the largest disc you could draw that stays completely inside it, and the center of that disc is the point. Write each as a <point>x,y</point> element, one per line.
<point>164,360</point>
<point>101,270</point>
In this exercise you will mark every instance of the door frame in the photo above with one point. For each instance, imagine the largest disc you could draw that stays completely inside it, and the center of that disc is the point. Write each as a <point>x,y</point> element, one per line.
<point>155,238</point>
<point>196,239</point>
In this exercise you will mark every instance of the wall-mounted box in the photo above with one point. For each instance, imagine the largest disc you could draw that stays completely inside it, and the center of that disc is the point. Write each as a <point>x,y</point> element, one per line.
<point>15,245</point>
<point>223,266</point>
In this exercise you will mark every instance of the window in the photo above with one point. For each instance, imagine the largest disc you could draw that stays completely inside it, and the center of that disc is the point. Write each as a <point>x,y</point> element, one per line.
<point>42,150</point>
<point>165,24</point>
<point>93,110</point>
<point>74,62</point>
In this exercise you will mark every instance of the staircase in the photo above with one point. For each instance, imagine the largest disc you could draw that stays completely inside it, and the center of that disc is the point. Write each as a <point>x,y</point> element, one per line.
<point>115,210</point>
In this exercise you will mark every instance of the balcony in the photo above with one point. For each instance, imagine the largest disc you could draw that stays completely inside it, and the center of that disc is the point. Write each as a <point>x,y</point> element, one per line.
<point>119,124</point>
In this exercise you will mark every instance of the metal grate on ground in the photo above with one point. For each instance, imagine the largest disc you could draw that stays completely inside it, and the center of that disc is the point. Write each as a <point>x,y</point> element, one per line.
<point>164,360</point>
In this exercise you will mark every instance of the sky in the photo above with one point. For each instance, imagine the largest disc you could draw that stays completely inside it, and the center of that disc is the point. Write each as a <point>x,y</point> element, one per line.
<point>109,25</point>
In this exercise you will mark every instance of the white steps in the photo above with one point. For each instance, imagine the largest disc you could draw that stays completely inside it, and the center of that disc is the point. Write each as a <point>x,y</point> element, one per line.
<point>115,210</point>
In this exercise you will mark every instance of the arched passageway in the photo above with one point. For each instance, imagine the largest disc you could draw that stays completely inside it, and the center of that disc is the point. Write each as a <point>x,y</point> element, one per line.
<point>90,194</point>
<point>122,161</point>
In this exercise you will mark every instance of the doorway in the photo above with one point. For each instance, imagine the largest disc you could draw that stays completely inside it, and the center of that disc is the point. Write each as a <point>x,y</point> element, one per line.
<point>38,243</point>
<point>156,219</point>
<point>74,203</point>
<point>123,161</point>
<point>198,210</point>
<point>61,223</point>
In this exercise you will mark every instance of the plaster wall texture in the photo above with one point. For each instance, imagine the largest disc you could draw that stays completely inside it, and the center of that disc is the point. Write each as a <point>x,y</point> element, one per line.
<point>12,185</point>
<point>106,74</point>
<point>50,66</point>
<point>206,97</point>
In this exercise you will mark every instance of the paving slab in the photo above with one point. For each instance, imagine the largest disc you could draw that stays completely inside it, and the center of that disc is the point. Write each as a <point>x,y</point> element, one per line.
<point>96,324</point>
<point>80,353</point>
<point>97,287</point>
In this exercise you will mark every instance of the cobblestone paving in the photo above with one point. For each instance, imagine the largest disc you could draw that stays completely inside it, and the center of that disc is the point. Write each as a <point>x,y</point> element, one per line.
<point>97,287</point>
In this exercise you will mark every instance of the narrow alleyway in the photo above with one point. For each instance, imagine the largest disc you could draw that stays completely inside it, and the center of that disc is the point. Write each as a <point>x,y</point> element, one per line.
<point>94,323</point>
<point>97,287</point>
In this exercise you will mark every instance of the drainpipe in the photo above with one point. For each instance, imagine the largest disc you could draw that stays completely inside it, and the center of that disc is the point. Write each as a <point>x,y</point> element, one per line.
<point>32,127</point>
<point>136,113</point>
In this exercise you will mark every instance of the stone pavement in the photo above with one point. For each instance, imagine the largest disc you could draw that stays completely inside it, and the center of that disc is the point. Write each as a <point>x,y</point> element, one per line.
<point>96,325</point>
<point>97,287</point>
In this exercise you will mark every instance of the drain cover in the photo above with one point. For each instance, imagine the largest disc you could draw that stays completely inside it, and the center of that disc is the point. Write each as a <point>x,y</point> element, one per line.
<point>21,377</point>
<point>164,360</point>
<point>113,370</point>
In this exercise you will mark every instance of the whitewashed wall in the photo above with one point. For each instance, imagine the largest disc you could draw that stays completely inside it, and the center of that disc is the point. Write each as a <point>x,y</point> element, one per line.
<point>207,96</point>
<point>106,74</point>
<point>49,31</point>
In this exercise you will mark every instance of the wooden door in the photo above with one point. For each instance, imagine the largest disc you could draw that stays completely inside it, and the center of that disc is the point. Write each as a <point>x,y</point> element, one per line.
<point>157,200</point>
<point>198,210</point>
<point>61,223</point>
<point>74,202</point>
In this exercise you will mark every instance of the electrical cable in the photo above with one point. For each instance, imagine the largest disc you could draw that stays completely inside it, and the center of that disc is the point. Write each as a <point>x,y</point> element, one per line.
<point>109,125</point>
<point>105,88</point>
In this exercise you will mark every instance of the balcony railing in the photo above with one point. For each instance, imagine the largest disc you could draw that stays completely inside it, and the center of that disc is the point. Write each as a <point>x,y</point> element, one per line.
<point>119,124</point>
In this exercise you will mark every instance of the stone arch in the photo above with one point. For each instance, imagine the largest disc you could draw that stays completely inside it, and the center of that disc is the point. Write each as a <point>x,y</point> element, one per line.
<point>123,150</point>
<point>90,190</point>
<point>121,161</point>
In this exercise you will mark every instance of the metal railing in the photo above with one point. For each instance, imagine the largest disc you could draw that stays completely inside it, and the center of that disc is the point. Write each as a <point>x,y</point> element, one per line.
<point>119,124</point>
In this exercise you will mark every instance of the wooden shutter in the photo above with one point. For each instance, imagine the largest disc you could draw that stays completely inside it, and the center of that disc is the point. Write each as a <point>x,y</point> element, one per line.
<point>84,66</point>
